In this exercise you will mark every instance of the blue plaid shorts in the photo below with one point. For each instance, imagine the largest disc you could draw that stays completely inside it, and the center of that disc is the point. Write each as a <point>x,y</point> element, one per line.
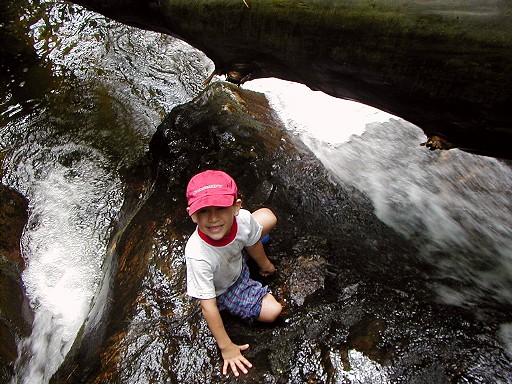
<point>244,298</point>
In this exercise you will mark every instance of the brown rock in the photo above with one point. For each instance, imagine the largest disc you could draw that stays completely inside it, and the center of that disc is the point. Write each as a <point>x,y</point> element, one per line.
<point>15,315</point>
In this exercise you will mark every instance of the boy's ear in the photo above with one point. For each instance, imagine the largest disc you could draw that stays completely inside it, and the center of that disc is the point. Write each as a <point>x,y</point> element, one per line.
<point>237,205</point>
<point>193,217</point>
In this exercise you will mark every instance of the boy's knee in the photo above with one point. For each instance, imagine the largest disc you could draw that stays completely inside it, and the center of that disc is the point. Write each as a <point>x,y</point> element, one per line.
<point>266,218</point>
<point>270,309</point>
<point>272,217</point>
<point>276,311</point>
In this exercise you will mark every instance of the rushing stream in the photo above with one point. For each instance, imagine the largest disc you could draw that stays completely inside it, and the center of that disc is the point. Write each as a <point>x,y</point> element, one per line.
<point>67,136</point>
<point>63,152</point>
<point>458,206</point>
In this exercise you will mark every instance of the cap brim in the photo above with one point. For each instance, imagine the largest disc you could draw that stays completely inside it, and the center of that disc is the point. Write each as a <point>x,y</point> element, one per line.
<point>211,201</point>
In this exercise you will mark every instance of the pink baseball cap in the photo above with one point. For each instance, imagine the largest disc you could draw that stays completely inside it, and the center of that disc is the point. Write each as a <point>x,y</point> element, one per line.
<point>211,188</point>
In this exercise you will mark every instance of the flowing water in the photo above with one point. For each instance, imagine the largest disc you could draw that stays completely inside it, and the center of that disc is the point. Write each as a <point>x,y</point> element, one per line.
<point>106,89</point>
<point>85,108</point>
<point>457,206</point>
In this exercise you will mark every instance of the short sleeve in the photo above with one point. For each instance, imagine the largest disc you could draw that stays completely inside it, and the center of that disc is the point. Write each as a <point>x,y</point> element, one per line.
<point>254,228</point>
<point>200,279</point>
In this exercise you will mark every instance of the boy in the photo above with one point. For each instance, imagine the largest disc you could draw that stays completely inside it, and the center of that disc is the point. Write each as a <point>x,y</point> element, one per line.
<point>217,274</point>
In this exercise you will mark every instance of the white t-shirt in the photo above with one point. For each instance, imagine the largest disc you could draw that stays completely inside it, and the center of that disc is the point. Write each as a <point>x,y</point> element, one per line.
<point>211,270</point>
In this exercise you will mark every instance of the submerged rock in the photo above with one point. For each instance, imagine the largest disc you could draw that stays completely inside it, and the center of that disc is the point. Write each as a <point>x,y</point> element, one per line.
<point>15,315</point>
<point>304,278</point>
<point>358,309</point>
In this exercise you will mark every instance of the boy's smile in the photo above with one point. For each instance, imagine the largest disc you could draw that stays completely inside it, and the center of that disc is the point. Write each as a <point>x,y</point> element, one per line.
<point>216,222</point>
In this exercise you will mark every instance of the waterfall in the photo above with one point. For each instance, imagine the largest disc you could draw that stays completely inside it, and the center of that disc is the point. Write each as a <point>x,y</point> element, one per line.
<point>65,157</point>
<point>72,205</point>
<point>457,206</point>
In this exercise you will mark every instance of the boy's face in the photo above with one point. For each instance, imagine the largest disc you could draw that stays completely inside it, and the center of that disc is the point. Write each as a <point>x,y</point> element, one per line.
<point>216,222</point>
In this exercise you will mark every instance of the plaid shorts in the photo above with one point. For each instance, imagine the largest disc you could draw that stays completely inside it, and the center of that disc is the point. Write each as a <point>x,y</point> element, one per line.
<point>244,297</point>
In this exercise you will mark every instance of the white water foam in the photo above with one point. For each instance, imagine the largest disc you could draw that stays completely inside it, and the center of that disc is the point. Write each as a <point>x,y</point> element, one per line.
<point>361,369</point>
<point>71,210</point>
<point>315,115</point>
<point>456,206</point>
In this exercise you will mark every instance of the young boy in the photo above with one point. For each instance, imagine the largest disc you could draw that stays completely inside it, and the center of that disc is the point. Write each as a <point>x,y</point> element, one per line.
<point>217,274</point>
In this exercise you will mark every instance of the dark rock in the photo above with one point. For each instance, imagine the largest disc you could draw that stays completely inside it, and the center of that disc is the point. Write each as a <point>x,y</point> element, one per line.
<point>442,66</point>
<point>304,277</point>
<point>367,308</point>
<point>15,314</point>
<point>436,142</point>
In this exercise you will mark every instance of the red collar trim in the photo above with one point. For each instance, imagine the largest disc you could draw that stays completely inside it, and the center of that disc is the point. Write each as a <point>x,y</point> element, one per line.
<point>222,242</point>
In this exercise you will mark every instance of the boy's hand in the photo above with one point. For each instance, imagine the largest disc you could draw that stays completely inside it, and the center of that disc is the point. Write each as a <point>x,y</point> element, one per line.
<point>234,359</point>
<point>267,269</point>
<point>257,252</point>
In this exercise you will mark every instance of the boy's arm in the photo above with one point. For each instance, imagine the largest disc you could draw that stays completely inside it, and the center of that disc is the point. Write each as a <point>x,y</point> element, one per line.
<point>231,353</point>
<point>257,252</point>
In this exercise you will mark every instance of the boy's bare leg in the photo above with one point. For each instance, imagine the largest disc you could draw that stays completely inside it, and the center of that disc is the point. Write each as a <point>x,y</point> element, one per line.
<point>266,218</point>
<point>270,309</point>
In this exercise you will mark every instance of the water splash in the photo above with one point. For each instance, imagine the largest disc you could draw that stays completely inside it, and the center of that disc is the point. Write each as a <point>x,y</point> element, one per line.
<point>456,206</point>
<point>72,204</point>
<point>314,115</point>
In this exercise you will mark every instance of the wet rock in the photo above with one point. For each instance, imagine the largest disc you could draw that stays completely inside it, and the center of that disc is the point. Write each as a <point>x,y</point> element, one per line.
<point>12,221</point>
<point>442,66</point>
<point>436,142</point>
<point>358,307</point>
<point>15,314</point>
<point>305,277</point>
<point>303,274</point>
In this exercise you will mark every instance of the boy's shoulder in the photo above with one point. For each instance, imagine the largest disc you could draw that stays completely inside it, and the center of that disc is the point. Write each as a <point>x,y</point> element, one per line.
<point>244,214</point>
<point>193,242</point>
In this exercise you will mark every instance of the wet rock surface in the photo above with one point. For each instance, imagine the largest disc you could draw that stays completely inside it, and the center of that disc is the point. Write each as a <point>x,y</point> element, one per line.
<point>442,66</point>
<point>15,315</point>
<point>357,306</point>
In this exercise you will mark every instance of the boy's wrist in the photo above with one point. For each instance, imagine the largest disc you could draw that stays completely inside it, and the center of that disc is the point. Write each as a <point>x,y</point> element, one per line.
<point>225,343</point>
<point>265,264</point>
